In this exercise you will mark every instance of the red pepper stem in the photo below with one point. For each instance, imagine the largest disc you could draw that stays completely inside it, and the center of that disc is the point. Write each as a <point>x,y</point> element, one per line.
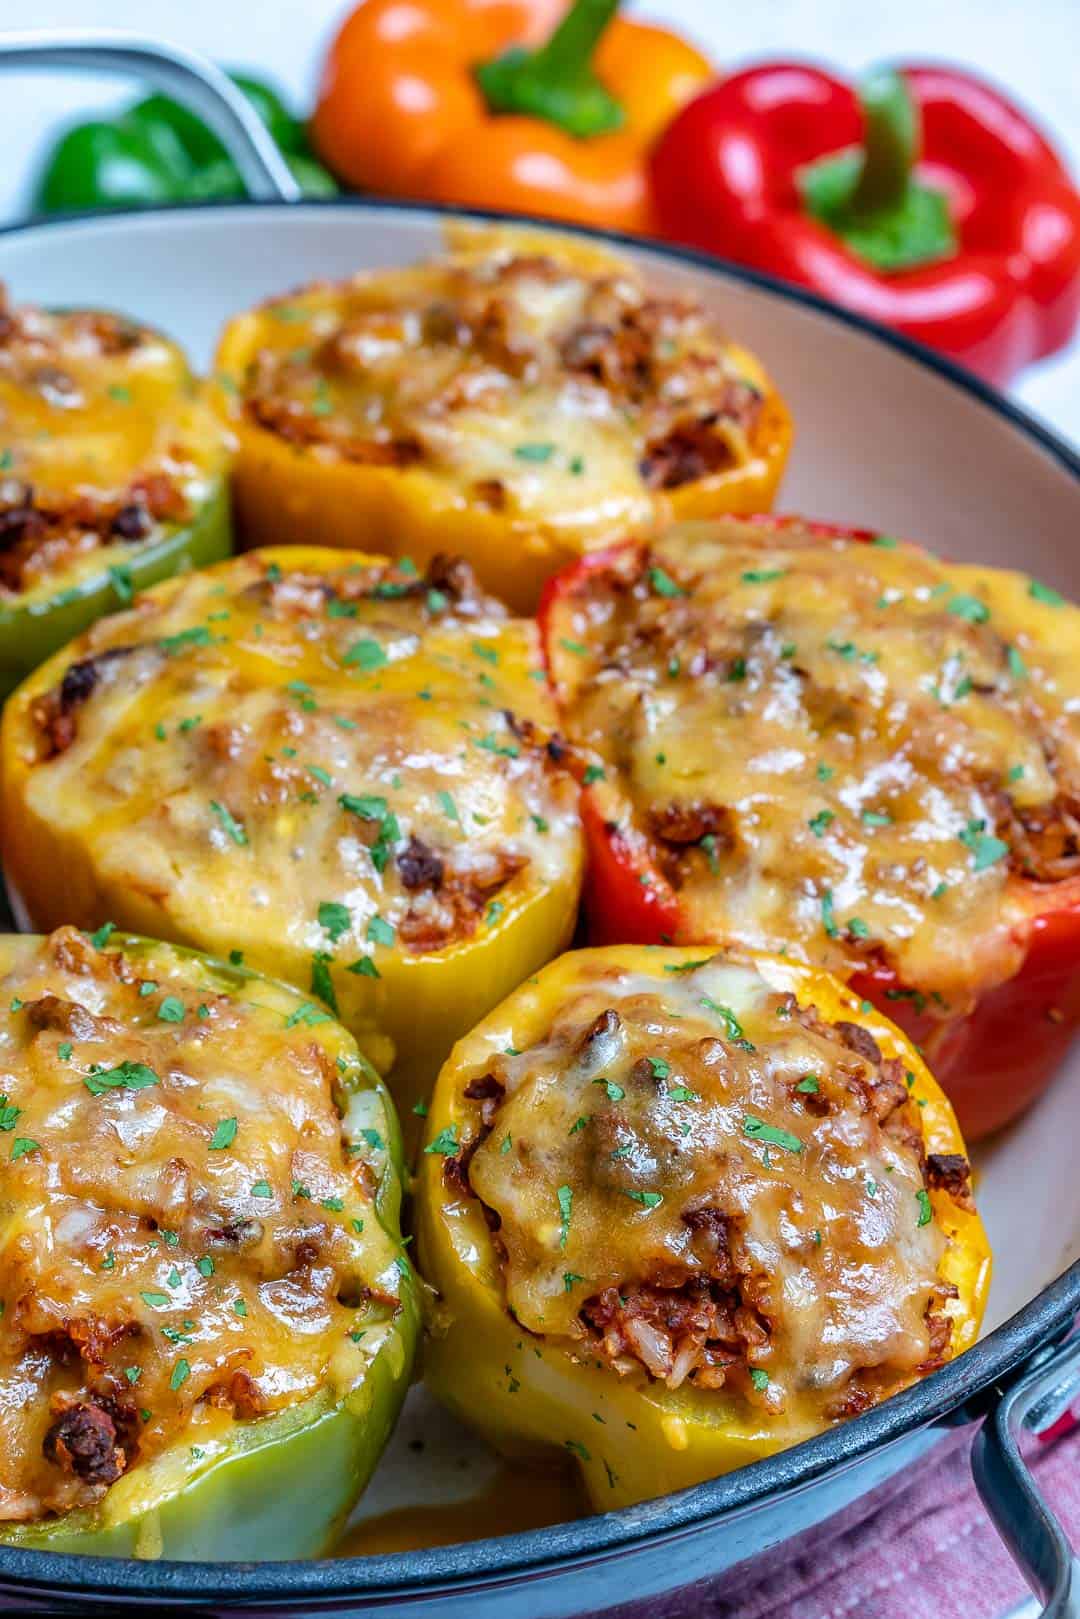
<point>890,144</point>
<point>569,50</point>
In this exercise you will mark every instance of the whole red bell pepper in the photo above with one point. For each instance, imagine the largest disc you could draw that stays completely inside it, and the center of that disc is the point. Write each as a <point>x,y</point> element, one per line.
<point>993,1060</point>
<point>924,200</point>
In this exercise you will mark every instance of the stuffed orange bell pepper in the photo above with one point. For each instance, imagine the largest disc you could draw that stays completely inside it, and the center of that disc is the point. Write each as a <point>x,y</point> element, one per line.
<point>829,742</point>
<point>335,768</point>
<point>531,106</point>
<point>684,1211</point>
<point>521,400</point>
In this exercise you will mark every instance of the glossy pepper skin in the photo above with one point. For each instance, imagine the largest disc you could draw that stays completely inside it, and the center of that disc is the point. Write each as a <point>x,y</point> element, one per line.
<point>281,1486</point>
<point>727,178</point>
<point>993,1061</point>
<point>30,632</point>
<point>158,152</point>
<point>530,1399</point>
<point>401,110</point>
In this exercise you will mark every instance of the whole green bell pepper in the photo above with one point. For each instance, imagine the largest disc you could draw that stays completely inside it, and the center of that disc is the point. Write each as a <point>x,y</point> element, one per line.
<point>157,152</point>
<point>280,1486</point>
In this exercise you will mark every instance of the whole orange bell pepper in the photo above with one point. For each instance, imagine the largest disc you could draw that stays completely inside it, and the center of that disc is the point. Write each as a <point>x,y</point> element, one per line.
<point>532,106</point>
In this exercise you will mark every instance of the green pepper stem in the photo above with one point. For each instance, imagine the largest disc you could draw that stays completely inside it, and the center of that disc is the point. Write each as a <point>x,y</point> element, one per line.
<point>890,144</point>
<point>570,49</point>
<point>556,82</point>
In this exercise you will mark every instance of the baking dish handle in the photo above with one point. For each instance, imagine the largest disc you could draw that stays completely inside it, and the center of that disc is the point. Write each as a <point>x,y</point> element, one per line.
<point>200,86</point>
<point>1035,1538</point>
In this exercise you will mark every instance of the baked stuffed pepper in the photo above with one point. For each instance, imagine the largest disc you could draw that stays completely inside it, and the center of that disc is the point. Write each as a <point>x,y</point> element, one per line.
<point>519,402</point>
<point>683,1211</point>
<point>830,742</point>
<point>343,770</point>
<point>208,1320</point>
<point>111,474</point>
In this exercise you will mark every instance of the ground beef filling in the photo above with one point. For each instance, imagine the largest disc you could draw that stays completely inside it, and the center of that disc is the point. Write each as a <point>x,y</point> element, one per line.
<point>698,1306</point>
<point>39,536</point>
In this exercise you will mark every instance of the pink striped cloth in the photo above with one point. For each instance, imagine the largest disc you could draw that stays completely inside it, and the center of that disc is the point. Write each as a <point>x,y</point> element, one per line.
<point>929,1552</point>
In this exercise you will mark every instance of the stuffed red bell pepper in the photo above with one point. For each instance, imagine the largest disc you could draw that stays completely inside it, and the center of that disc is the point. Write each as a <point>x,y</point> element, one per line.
<point>924,199</point>
<point>805,739</point>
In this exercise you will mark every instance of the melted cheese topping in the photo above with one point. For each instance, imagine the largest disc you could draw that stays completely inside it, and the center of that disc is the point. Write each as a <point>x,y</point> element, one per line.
<point>693,1174</point>
<point>848,749</point>
<point>103,439</point>
<point>530,383</point>
<point>316,759</point>
<point>188,1234</point>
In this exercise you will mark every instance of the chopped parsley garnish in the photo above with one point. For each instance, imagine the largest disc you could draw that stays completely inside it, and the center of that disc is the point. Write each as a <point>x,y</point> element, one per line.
<point>926,1211</point>
<point>308,1014</point>
<point>663,584</point>
<point>820,822</point>
<point>224,1135</point>
<point>569,1279</point>
<point>761,576</point>
<point>986,849</point>
<point>379,931</point>
<point>1045,594</point>
<point>648,1200</point>
<point>262,1189</point>
<point>578,648</point>
<point>64,1050</point>
<point>534,452</point>
<point>104,933</point>
<point>565,1196</point>
<point>364,967</point>
<point>969,608</point>
<point>759,1130</point>
<point>445,1143</point>
<point>875,818</point>
<point>369,806</point>
<point>759,1378</point>
<point>593,773</point>
<point>365,655</point>
<point>157,1301</point>
<point>21,1146</point>
<point>683,1093</point>
<point>171,1010</point>
<point>828,915</point>
<point>127,1076</point>
<point>1017,666</point>
<point>239,1307</point>
<point>809,1085</point>
<point>9,1113</point>
<point>229,823</point>
<point>488,653</point>
<point>198,635</point>
<point>732,1027</point>
<point>825,772</point>
<point>335,918</point>
<point>205,1265</point>
<point>660,1068</point>
<point>181,1373</point>
<point>615,1093</point>
<point>322,984</point>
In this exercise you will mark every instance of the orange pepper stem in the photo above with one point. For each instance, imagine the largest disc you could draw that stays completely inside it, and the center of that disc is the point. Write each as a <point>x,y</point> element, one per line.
<point>556,83</point>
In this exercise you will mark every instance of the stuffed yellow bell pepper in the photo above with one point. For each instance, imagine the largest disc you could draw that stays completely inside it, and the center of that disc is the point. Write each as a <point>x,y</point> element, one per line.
<point>208,1319</point>
<point>111,474</point>
<point>335,768</point>
<point>686,1210</point>
<point>521,401</point>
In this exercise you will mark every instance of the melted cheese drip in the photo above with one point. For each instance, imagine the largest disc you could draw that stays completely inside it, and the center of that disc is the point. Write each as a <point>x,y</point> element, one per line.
<point>502,407</point>
<point>212,769</point>
<point>82,420</point>
<point>216,1218</point>
<point>856,711</point>
<point>592,1165</point>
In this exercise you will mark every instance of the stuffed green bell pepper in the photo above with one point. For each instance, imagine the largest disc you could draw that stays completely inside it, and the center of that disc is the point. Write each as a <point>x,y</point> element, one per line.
<point>112,474</point>
<point>208,1318</point>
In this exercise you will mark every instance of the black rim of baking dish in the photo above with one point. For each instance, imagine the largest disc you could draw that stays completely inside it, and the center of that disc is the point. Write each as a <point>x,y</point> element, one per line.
<point>951,1393</point>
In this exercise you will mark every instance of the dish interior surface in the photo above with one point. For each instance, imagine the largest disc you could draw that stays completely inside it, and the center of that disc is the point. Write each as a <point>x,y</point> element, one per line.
<point>882,440</point>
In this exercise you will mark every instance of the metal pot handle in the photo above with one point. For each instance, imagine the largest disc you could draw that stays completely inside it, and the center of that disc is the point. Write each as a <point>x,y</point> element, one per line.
<point>201,87</point>
<point>1021,1516</point>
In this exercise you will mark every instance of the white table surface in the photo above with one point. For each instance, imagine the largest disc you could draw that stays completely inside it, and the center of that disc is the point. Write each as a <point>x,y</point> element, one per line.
<point>1031,49</point>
